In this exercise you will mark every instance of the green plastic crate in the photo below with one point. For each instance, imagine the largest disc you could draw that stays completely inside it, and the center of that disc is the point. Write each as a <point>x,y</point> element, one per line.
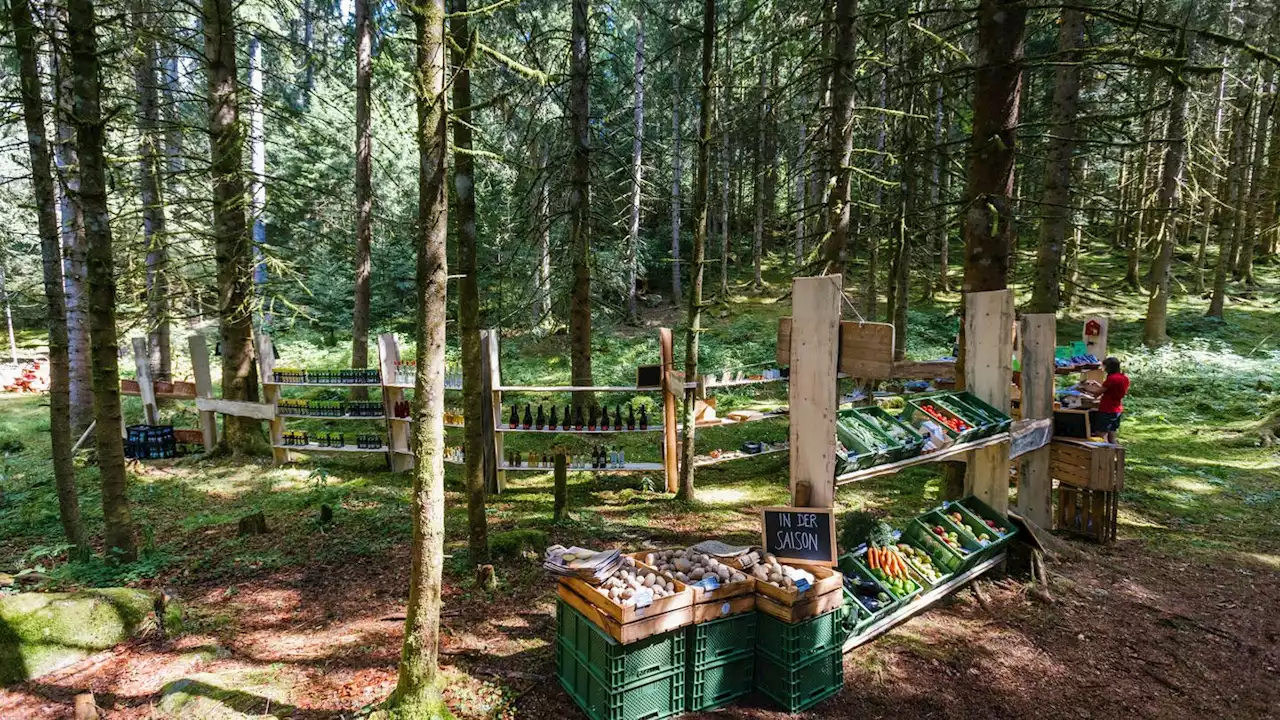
<point>856,571</point>
<point>864,447</point>
<point>971,550</point>
<point>1000,420</point>
<point>982,424</point>
<point>721,640</point>
<point>800,687</point>
<point>857,618</point>
<point>944,557</point>
<point>617,665</point>
<point>976,525</point>
<point>652,698</point>
<point>719,684</point>
<point>792,642</point>
<point>909,442</point>
<point>917,417</point>
<point>984,512</point>
<point>859,560</point>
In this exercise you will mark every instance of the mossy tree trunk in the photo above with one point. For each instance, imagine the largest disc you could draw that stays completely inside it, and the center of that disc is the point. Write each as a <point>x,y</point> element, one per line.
<point>701,202</point>
<point>42,183</point>
<point>364,189</point>
<point>580,200</point>
<point>464,181</point>
<point>150,151</point>
<point>1154,329</point>
<point>417,693</point>
<point>232,247</point>
<point>90,130</point>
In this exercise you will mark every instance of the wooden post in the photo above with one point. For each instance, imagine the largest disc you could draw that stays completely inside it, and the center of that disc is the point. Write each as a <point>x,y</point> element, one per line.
<point>489,435</point>
<point>561,496</point>
<point>141,364</point>
<point>670,396</point>
<point>493,379</point>
<point>270,395</point>
<point>815,345</point>
<point>1038,333</point>
<point>204,388</point>
<point>397,428</point>
<point>988,370</point>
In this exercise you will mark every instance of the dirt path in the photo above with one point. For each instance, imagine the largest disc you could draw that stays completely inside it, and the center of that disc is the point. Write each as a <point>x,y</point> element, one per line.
<point>1129,633</point>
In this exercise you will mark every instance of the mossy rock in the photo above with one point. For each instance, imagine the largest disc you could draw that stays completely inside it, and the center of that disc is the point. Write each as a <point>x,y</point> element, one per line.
<point>228,695</point>
<point>41,632</point>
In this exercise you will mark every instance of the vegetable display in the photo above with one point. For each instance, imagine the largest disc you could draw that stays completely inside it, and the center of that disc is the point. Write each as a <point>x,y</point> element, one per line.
<point>954,423</point>
<point>689,566</point>
<point>627,584</point>
<point>984,534</point>
<point>921,561</point>
<point>775,573</point>
<point>949,537</point>
<point>891,569</point>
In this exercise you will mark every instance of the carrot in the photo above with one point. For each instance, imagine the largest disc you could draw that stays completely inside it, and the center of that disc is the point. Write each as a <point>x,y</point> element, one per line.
<point>871,557</point>
<point>879,560</point>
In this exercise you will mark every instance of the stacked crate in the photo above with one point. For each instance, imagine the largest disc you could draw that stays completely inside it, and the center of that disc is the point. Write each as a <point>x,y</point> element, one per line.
<point>799,635</point>
<point>644,679</point>
<point>1090,477</point>
<point>721,660</point>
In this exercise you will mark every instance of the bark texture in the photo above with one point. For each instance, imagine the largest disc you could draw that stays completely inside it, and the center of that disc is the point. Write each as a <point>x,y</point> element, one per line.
<point>580,200</point>
<point>233,253</point>
<point>417,693</point>
<point>42,183</point>
<point>464,182</point>
<point>364,185</point>
<point>151,154</point>
<point>637,169</point>
<point>1055,203</point>
<point>1154,329</point>
<point>90,130</point>
<point>701,202</point>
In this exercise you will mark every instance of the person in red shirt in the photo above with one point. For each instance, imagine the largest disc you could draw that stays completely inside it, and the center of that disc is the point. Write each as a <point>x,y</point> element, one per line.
<point>1110,400</point>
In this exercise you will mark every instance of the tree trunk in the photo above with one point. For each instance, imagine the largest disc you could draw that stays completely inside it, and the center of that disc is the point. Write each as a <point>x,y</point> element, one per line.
<point>1153,331</point>
<point>1271,189</point>
<point>75,247</point>
<point>90,139</point>
<point>935,186</point>
<point>364,187</point>
<point>464,182</point>
<point>308,49</point>
<point>1056,202</point>
<point>150,152</point>
<point>637,169</point>
<point>799,204</point>
<point>769,136</point>
<point>232,246</point>
<point>988,222</point>
<point>1136,240</point>
<point>580,200</point>
<point>42,185</point>
<point>8,307</point>
<point>542,231</point>
<point>701,202</point>
<point>258,173</point>
<point>872,298</point>
<point>1228,214</point>
<point>726,152</point>
<point>1252,208</point>
<point>417,692</point>
<point>760,167</point>
<point>677,167</point>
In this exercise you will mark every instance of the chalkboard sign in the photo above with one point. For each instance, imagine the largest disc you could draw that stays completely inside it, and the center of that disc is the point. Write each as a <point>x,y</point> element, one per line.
<point>649,376</point>
<point>804,534</point>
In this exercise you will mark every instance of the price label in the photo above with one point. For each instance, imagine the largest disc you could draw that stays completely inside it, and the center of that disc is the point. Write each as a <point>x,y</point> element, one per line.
<point>643,598</point>
<point>724,609</point>
<point>802,584</point>
<point>708,583</point>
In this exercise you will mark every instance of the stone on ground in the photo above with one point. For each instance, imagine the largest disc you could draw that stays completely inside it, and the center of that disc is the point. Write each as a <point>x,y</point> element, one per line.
<point>236,694</point>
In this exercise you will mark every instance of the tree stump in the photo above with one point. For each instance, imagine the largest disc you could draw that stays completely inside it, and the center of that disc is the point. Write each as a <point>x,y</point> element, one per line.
<point>255,524</point>
<point>486,578</point>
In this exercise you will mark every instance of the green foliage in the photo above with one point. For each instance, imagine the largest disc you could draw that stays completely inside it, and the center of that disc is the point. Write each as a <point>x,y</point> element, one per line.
<point>510,543</point>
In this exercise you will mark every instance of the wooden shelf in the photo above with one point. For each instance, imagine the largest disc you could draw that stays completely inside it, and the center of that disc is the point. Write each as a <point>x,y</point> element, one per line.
<point>410,386</point>
<point>575,388</point>
<point>946,454</point>
<point>629,467</point>
<point>410,420</point>
<point>379,418</point>
<point>739,383</point>
<point>312,447</point>
<point>738,455</point>
<point>319,384</point>
<point>922,603</point>
<point>505,429</point>
<point>726,422</point>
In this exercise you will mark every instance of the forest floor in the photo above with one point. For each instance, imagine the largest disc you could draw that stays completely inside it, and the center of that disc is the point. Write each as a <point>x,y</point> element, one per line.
<point>1177,619</point>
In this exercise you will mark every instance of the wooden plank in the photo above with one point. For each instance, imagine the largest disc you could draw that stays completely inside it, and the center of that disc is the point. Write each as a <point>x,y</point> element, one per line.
<point>708,611</point>
<point>629,632</point>
<point>237,408</point>
<point>783,353</point>
<point>670,454</point>
<point>803,610</point>
<point>392,393</point>
<point>488,412</point>
<point>815,330</point>
<point>866,350</point>
<point>142,366</point>
<point>930,370</point>
<point>204,388</point>
<point>988,374</point>
<point>270,395</point>
<point>682,599</point>
<point>1038,335</point>
<point>955,453</point>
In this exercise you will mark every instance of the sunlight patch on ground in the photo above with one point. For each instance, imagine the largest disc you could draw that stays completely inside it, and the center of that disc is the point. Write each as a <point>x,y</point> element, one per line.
<point>724,496</point>
<point>1268,559</point>
<point>1189,484</point>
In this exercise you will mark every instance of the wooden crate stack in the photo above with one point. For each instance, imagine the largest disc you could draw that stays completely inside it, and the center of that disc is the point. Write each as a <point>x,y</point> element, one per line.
<point>1090,477</point>
<point>791,606</point>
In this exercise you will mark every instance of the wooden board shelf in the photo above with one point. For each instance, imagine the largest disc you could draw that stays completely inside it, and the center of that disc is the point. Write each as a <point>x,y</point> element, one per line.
<point>726,422</point>
<point>312,447</point>
<point>952,453</point>
<point>737,455</point>
<point>922,603</point>
<point>575,388</point>
<point>379,418</point>
<point>322,384</point>
<point>629,467</point>
<point>505,429</point>
<point>410,421</point>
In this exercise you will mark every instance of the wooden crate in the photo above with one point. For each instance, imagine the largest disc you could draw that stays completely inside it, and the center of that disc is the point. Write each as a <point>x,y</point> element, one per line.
<point>1088,513</point>
<point>728,599</point>
<point>1085,464</point>
<point>627,623</point>
<point>791,605</point>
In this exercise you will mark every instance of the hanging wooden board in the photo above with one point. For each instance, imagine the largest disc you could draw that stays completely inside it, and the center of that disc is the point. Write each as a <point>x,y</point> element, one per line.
<point>866,350</point>
<point>783,352</point>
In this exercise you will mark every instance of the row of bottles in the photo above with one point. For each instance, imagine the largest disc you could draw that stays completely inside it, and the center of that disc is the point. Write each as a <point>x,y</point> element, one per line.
<point>348,376</point>
<point>600,459</point>
<point>407,374</point>
<point>329,408</point>
<point>455,454</point>
<point>573,419</point>
<point>452,416</point>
